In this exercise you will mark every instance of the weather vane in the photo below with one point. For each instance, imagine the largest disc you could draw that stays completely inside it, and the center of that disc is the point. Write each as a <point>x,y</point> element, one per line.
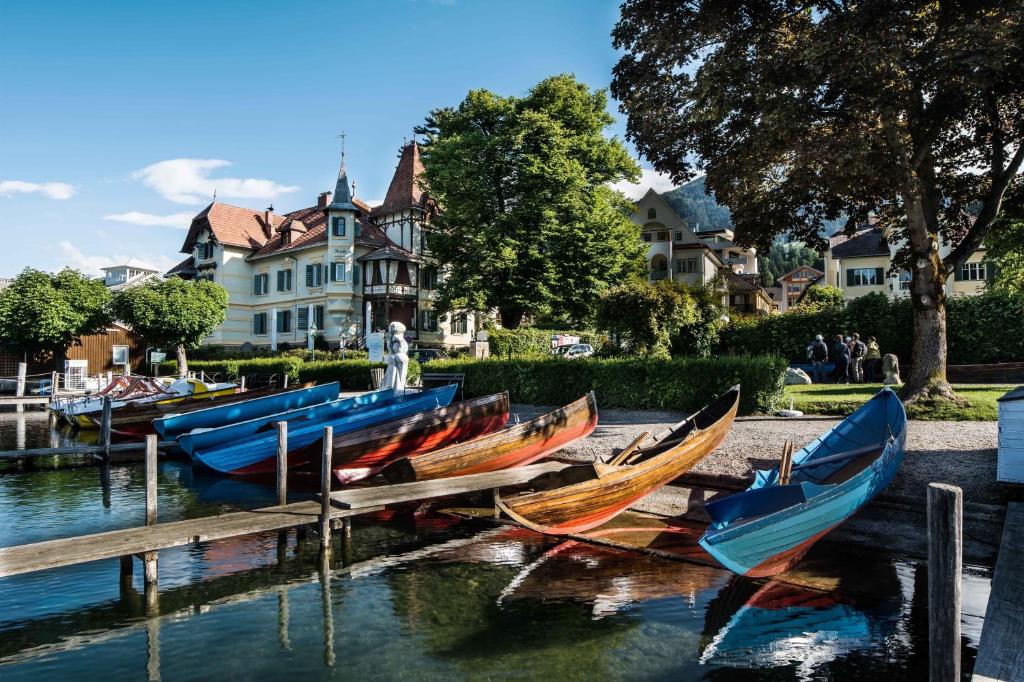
<point>342,138</point>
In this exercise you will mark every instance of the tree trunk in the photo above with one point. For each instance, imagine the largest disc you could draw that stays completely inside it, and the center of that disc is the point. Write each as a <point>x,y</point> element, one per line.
<point>511,316</point>
<point>182,362</point>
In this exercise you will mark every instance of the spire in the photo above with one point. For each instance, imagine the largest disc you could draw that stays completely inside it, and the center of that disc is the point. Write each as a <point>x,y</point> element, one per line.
<point>404,190</point>
<point>342,200</point>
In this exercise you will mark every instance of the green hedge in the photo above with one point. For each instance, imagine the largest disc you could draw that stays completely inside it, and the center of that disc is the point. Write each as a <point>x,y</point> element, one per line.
<point>683,384</point>
<point>354,375</point>
<point>531,341</point>
<point>980,329</point>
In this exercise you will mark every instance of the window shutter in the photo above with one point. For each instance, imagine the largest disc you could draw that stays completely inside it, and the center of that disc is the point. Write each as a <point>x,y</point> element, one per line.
<point>309,275</point>
<point>849,277</point>
<point>256,284</point>
<point>879,276</point>
<point>958,273</point>
<point>280,280</point>
<point>318,275</point>
<point>303,318</point>
<point>356,272</point>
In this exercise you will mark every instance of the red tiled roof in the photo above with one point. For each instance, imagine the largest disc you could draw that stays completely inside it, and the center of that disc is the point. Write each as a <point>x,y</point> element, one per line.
<point>315,220</point>
<point>231,226</point>
<point>404,190</point>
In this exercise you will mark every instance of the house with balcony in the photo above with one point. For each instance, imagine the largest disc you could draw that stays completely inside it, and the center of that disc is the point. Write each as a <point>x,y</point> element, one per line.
<point>335,268</point>
<point>861,263</point>
<point>793,283</point>
<point>130,274</point>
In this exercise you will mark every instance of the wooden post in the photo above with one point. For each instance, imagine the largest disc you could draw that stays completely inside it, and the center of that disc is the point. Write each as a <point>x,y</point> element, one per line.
<point>282,618</point>
<point>54,387</point>
<point>241,385</point>
<point>282,462</point>
<point>127,570</point>
<point>328,610</point>
<point>150,558</point>
<point>105,418</point>
<point>346,541</point>
<point>494,497</point>
<point>19,389</point>
<point>945,555</point>
<point>325,489</point>
<point>285,381</point>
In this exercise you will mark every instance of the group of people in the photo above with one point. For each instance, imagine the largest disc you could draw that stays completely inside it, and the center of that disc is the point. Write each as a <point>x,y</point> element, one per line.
<point>855,361</point>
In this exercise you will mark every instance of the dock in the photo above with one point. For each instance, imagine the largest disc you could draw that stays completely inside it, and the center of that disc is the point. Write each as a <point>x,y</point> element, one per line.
<point>347,503</point>
<point>1000,656</point>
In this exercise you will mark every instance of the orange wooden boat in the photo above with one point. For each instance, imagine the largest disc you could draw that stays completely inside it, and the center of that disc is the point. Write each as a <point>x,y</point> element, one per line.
<point>365,452</point>
<point>583,497</point>
<point>513,446</point>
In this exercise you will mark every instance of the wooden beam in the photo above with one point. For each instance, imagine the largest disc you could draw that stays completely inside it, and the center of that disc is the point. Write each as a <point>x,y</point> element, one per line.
<point>1000,655</point>
<point>945,547</point>
<point>105,421</point>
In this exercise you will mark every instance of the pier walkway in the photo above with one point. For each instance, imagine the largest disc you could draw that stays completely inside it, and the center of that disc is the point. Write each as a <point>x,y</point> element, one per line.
<point>346,503</point>
<point>1000,655</point>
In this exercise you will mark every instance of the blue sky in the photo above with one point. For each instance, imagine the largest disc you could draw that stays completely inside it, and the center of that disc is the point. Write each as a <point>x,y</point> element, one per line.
<point>118,119</point>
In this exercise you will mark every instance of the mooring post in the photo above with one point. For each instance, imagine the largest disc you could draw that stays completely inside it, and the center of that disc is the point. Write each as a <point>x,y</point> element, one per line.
<point>105,418</point>
<point>241,385</point>
<point>325,489</point>
<point>149,559</point>
<point>54,378</point>
<point>19,389</point>
<point>127,569</point>
<point>945,555</point>
<point>285,382</point>
<point>282,481</point>
<point>346,541</point>
<point>328,609</point>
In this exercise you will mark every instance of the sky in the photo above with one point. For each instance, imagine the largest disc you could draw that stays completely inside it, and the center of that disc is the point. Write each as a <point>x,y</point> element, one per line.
<point>118,120</point>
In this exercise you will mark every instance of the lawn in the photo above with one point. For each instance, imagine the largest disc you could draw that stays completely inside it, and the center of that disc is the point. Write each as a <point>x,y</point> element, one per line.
<point>841,399</point>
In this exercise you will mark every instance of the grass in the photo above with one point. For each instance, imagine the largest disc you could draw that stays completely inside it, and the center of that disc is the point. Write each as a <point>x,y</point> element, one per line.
<point>841,400</point>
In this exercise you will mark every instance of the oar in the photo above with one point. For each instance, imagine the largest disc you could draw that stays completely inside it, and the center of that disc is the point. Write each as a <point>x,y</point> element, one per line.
<point>629,449</point>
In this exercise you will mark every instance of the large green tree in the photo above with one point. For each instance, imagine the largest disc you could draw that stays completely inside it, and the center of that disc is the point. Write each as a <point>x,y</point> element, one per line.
<point>42,313</point>
<point>528,223</point>
<point>1005,253</point>
<point>801,111</point>
<point>174,312</point>
<point>645,316</point>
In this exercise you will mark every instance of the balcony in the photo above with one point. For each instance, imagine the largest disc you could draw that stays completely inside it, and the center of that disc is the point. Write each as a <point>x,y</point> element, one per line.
<point>397,290</point>
<point>658,275</point>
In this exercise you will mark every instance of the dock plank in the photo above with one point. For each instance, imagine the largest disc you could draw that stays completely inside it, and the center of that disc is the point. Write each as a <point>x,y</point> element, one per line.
<point>1000,655</point>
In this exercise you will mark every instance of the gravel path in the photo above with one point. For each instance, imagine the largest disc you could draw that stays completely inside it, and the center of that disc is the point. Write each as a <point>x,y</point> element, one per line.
<point>962,453</point>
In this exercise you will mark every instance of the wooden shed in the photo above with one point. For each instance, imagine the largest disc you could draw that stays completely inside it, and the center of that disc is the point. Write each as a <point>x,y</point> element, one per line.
<point>1010,468</point>
<point>115,350</point>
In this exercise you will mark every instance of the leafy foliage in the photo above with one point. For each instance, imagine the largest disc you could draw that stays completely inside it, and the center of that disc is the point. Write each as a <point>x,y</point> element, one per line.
<point>827,297</point>
<point>41,313</point>
<point>801,112</point>
<point>783,258</point>
<point>700,210</point>
<point>354,375</point>
<point>700,336</point>
<point>684,384</point>
<point>1006,247</point>
<point>530,341</point>
<point>529,224</point>
<point>646,315</point>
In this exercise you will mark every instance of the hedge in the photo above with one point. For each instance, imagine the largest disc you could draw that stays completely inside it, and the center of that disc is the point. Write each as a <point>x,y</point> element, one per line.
<point>531,341</point>
<point>683,384</point>
<point>353,374</point>
<point>980,329</point>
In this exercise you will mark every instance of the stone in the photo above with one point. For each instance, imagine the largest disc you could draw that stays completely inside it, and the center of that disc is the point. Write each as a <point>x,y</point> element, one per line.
<point>796,376</point>
<point>891,370</point>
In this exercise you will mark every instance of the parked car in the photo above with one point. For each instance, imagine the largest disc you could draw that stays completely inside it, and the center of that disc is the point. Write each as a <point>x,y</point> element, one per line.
<point>422,355</point>
<point>579,350</point>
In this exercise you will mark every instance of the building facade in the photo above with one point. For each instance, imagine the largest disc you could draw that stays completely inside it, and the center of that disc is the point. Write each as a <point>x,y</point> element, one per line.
<point>322,269</point>
<point>793,284</point>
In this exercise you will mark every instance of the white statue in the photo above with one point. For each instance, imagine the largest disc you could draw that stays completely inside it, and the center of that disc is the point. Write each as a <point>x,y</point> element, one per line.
<point>398,360</point>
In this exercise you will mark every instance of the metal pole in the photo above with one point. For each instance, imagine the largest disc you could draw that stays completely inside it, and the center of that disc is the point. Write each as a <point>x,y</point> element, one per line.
<point>325,489</point>
<point>945,555</point>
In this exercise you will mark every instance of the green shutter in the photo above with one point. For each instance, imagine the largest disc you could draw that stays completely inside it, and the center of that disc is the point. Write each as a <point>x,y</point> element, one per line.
<point>879,276</point>
<point>309,275</point>
<point>849,277</point>
<point>958,273</point>
<point>303,318</point>
<point>356,272</point>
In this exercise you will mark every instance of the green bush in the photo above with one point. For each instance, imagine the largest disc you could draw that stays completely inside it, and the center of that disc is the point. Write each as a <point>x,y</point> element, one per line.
<point>353,375</point>
<point>683,384</point>
<point>980,329</point>
<point>531,341</point>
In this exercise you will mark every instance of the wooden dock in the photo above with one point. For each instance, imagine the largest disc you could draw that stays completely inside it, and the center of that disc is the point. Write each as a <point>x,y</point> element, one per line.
<point>145,539</point>
<point>1000,655</point>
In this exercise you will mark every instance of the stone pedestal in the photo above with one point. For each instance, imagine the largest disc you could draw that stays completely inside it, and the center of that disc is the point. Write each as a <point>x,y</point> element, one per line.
<point>480,350</point>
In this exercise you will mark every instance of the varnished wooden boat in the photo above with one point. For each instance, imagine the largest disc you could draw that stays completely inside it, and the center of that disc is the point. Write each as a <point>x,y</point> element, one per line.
<point>583,497</point>
<point>513,446</point>
<point>363,453</point>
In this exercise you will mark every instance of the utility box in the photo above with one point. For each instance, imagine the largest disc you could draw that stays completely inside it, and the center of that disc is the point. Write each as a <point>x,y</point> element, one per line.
<point>1010,467</point>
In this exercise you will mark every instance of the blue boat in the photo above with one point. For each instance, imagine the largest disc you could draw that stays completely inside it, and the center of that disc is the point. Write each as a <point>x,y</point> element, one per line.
<point>205,439</point>
<point>173,425</point>
<point>256,453</point>
<point>769,527</point>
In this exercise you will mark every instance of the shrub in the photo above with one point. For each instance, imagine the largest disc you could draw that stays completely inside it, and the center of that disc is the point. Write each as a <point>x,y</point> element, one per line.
<point>353,375</point>
<point>530,341</point>
<point>233,370</point>
<point>684,384</point>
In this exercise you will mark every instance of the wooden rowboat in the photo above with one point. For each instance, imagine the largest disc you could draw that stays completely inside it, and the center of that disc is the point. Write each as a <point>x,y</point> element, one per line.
<point>770,526</point>
<point>513,446</point>
<point>583,497</point>
<point>361,454</point>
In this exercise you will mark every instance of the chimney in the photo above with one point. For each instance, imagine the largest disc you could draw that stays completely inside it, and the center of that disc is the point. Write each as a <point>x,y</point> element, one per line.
<point>323,199</point>
<point>268,224</point>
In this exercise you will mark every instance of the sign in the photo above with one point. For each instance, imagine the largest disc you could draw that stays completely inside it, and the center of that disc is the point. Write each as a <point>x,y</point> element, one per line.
<point>155,358</point>
<point>375,346</point>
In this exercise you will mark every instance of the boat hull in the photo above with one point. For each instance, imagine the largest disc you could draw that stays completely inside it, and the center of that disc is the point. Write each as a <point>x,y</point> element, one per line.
<point>517,445</point>
<point>758,541</point>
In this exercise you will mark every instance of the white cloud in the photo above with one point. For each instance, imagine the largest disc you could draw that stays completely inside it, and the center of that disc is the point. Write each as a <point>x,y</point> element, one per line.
<point>188,181</point>
<point>73,257</point>
<point>54,190</point>
<point>649,179</point>
<point>179,220</point>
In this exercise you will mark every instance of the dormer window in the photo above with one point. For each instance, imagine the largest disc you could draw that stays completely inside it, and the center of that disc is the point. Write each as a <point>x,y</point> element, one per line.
<point>204,250</point>
<point>338,226</point>
<point>652,214</point>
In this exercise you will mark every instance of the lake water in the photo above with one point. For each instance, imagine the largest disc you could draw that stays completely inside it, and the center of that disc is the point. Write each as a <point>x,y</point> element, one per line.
<point>429,598</point>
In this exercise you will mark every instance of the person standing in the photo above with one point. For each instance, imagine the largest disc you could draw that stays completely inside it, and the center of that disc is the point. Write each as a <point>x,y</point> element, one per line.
<point>841,356</point>
<point>871,360</point>
<point>818,353</point>
<point>857,352</point>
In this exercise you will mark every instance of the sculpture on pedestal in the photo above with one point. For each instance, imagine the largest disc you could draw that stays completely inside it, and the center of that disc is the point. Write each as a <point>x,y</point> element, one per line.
<point>891,370</point>
<point>398,360</point>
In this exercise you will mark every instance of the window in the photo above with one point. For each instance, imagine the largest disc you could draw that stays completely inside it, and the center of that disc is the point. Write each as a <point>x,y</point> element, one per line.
<point>120,355</point>
<point>686,266</point>
<point>651,214</point>
<point>972,272</point>
<point>337,272</point>
<point>460,325</point>
<point>260,284</point>
<point>905,280</point>
<point>357,272</point>
<point>428,321</point>
<point>314,275</point>
<point>864,277</point>
<point>204,250</point>
<point>338,226</point>
<point>429,278</point>
<point>663,236</point>
<point>284,321</point>
<point>794,288</point>
<point>284,280</point>
<point>259,323</point>
<point>646,236</point>
<point>679,235</point>
<point>302,323</point>
<point>318,316</point>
